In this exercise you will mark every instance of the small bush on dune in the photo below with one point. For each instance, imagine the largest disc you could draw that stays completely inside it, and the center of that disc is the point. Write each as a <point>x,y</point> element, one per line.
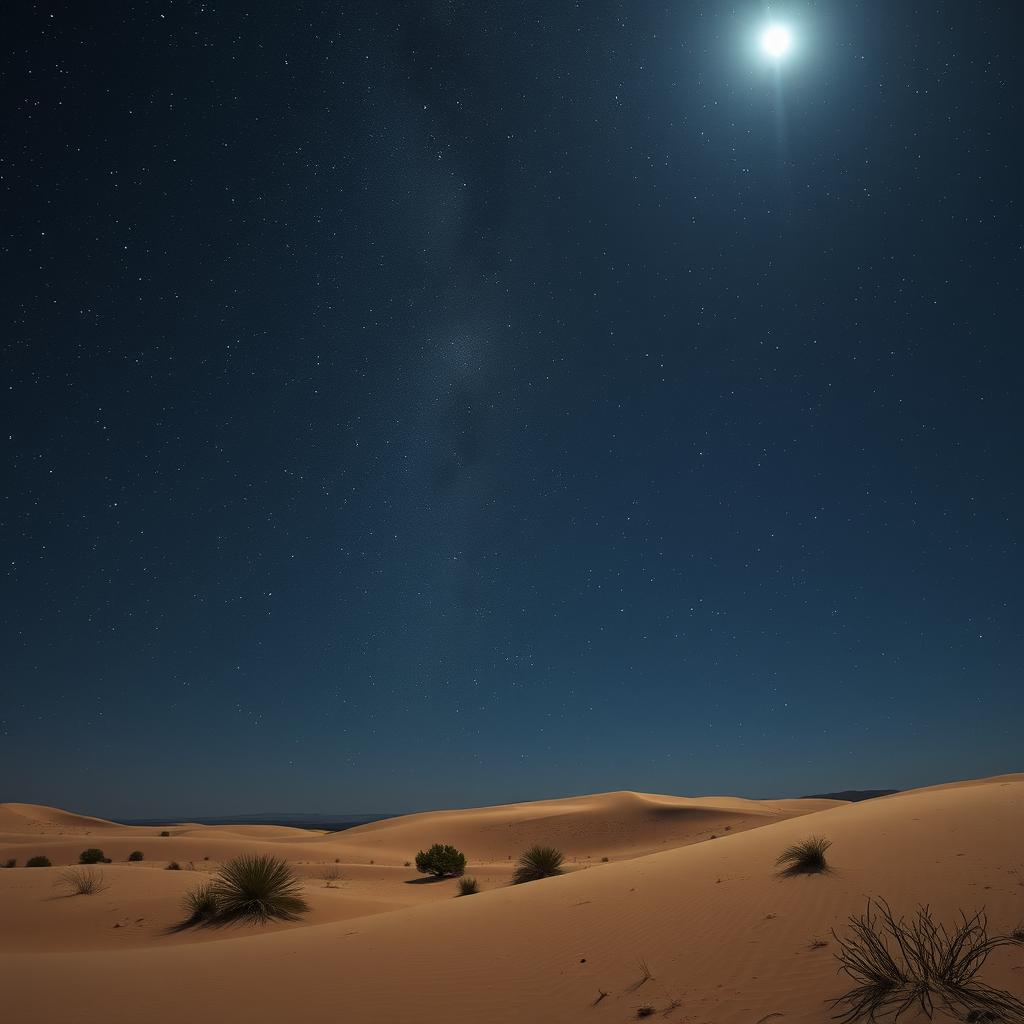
<point>12,863</point>
<point>201,906</point>
<point>83,881</point>
<point>538,862</point>
<point>468,887</point>
<point>329,875</point>
<point>136,855</point>
<point>805,858</point>
<point>173,866</point>
<point>38,862</point>
<point>257,889</point>
<point>897,964</point>
<point>440,860</point>
<point>92,856</point>
<point>164,835</point>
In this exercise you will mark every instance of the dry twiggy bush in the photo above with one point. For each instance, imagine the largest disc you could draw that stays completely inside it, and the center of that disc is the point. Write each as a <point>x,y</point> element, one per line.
<point>897,964</point>
<point>83,881</point>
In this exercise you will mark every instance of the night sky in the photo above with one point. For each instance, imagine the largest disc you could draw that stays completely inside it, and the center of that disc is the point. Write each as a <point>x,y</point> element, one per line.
<point>423,404</point>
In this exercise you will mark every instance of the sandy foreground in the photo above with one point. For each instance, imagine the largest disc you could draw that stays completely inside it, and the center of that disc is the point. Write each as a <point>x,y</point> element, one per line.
<point>689,889</point>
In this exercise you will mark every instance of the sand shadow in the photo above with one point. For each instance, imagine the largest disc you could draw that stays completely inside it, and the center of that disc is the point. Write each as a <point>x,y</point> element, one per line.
<point>430,879</point>
<point>800,871</point>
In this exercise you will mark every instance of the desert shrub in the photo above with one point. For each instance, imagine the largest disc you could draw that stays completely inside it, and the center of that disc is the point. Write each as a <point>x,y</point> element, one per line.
<point>645,1011</point>
<point>1018,933</point>
<point>896,964</point>
<point>604,860</point>
<point>468,887</point>
<point>38,862</point>
<point>83,881</point>
<point>12,863</point>
<point>173,866</point>
<point>440,860</point>
<point>164,835</point>
<point>136,855</point>
<point>538,862</point>
<point>806,857</point>
<point>201,905</point>
<point>92,856</point>
<point>330,875</point>
<point>257,889</point>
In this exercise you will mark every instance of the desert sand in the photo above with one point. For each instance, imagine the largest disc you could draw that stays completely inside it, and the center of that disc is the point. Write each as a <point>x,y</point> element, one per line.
<point>689,889</point>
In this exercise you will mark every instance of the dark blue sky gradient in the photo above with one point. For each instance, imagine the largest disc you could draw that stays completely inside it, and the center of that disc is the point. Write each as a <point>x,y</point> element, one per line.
<point>436,403</point>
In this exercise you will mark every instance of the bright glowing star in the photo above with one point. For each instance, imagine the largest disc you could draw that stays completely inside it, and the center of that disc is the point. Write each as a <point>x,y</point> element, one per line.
<point>776,41</point>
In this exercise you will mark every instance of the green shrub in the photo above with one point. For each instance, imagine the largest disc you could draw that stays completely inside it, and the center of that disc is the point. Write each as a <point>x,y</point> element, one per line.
<point>440,860</point>
<point>538,862</point>
<point>12,863</point>
<point>468,887</point>
<point>136,855</point>
<point>256,889</point>
<point>38,862</point>
<point>806,857</point>
<point>201,905</point>
<point>92,856</point>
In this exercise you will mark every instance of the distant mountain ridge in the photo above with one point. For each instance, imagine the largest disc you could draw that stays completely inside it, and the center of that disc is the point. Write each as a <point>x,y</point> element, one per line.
<point>322,822</point>
<point>852,795</point>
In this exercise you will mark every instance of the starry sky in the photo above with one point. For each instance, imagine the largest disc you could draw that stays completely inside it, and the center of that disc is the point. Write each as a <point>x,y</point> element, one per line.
<point>446,402</point>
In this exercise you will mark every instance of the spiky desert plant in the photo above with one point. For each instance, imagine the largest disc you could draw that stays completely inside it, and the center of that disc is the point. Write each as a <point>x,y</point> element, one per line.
<point>38,862</point>
<point>538,862</point>
<point>257,888</point>
<point>83,881</point>
<point>468,886</point>
<point>92,856</point>
<point>136,855</point>
<point>201,905</point>
<point>897,964</point>
<point>806,857</point>
<point>440,860</point>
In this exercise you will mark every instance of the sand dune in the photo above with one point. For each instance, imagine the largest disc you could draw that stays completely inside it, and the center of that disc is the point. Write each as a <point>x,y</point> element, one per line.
<point>624,823</point>
<point>719,929</point>
<point>37,819</point>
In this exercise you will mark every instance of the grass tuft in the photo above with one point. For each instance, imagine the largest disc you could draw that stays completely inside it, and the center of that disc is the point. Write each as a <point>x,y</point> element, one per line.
<point>805,858</point>
<point>201,906</point>
<point>256,889</point>
<point>83,881</point>
<point>538,862</point>
<point>468,886</point>
<point>329,875</point>
<point>897,964</point>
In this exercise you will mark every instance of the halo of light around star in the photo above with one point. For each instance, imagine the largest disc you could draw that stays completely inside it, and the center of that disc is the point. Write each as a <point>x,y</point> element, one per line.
<point>776,41</point>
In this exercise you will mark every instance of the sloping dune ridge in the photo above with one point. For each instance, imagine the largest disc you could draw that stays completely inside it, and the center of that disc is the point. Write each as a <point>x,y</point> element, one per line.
<point>725,938</point>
